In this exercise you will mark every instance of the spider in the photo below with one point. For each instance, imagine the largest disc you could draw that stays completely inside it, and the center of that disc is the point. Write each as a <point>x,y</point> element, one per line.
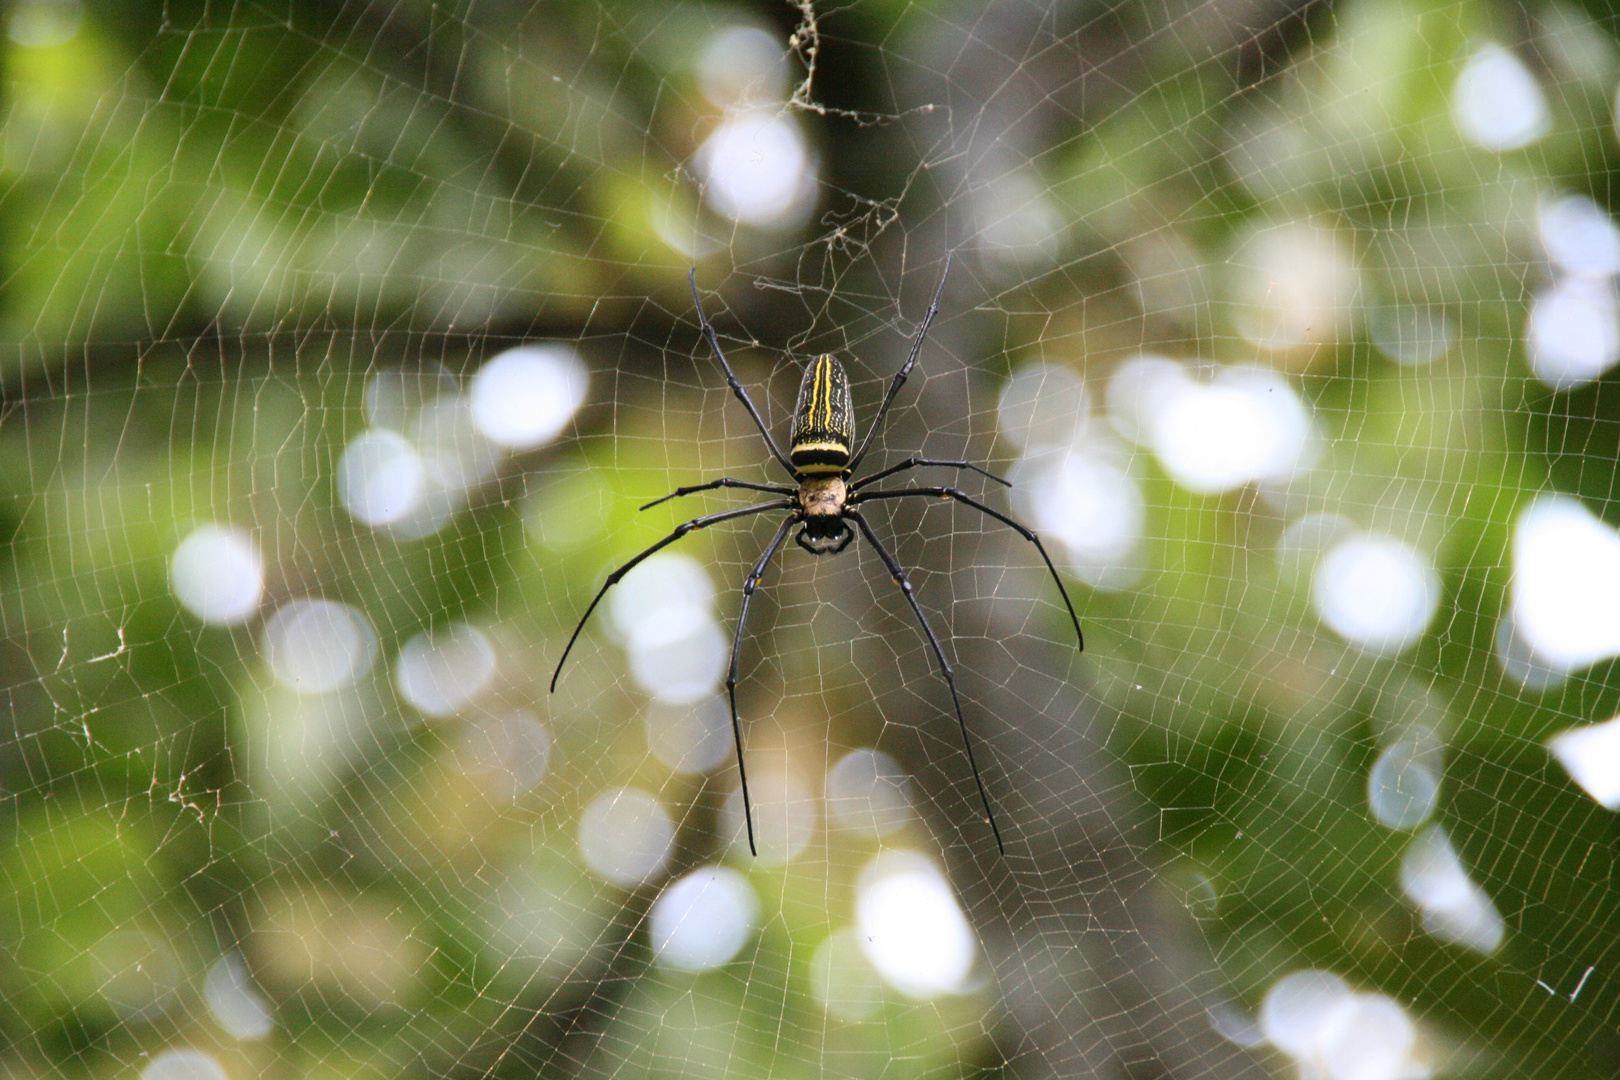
<point>823,504</point>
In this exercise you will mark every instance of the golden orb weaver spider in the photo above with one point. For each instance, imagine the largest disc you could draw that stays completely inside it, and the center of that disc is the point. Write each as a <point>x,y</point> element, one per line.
<point>823,504</point>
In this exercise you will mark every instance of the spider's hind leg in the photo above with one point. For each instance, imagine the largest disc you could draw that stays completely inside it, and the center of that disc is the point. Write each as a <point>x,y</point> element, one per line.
<point>749,584</point>
<point>900,579</point>
<point>1021,530</point>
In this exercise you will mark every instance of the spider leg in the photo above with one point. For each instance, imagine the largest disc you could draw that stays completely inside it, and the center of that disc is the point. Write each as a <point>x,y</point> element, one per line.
<point>749,584</point>
<point>900,579</point>
<point>723,482</point>
<point>914,462</point>
<point>731,378</point>
<point>1027,534</point>
<point>680,531</point>
<point>905,369</point>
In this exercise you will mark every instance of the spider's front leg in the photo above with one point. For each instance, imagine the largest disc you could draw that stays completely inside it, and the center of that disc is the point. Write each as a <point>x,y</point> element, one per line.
<point>723,482</point>
<point>731,376</point>
<point>917,462</point>
<point>680,531</point>
<point>899,379</point>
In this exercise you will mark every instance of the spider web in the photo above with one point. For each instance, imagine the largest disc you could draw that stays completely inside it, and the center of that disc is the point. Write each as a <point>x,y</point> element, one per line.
<point>344,342</point>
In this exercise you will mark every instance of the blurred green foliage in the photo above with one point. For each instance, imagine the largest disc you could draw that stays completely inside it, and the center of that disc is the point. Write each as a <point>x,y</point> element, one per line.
<point>217,222</point>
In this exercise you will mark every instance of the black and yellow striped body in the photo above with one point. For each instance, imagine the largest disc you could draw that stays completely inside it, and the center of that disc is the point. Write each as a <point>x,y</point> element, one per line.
<point>823,420</point>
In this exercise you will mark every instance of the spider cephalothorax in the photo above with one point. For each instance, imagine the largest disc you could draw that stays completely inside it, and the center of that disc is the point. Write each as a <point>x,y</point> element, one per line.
<point>823,505</point>
<point>821,502</point>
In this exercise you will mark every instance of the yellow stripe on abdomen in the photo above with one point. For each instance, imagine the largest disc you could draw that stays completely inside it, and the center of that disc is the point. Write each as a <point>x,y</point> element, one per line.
<point>823,391</point>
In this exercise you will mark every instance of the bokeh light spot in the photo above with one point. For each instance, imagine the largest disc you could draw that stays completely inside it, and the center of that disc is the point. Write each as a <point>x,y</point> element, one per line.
<point>1580,238</point>
<point>439,673</point>
<point>1042,405</point>
<point>704,919</point>
<point>868,794</point>
<point>524,397</point>
<point>1298,1009</point>
<point>217,574</point>
<point>183,1064</point>
<point>758,170</point>
<point>1247,424</point>
<point>1336,1033</point>
<point>1521,663</point>
<point>1296,288</point>
<point>1404,782</point>
<point>1088,502</point>
<point>1376,592</point>
<point>1454,908</point>
<point>1411,335</point>
<point>234,1001</point>
<point>1022,227</point>
<point>785,815</point>
<point>1372,1039</point>
<point>1497,103</point>
<point>1136,393</point>
<point>678,657</point>
<point>664,581</point>
<point>507,753</point>
<point>395,395</point>
<point>1566,582</point>
<point>457,453</point>
<point>1574,331</point>
<point>911,927</point>
<point>1591,756</point>
<point>740,67</point>
<point>625,836</point>
<point>692,737</point>
<point>44,24</point>
<point>381,478</point>
<point>315,646</point>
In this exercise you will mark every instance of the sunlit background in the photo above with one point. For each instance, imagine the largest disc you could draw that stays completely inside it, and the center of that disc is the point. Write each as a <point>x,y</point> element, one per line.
<point>342,344</point>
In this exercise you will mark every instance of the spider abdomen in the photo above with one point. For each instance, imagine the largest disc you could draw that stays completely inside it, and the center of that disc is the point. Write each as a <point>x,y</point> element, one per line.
<point>823,420</point>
